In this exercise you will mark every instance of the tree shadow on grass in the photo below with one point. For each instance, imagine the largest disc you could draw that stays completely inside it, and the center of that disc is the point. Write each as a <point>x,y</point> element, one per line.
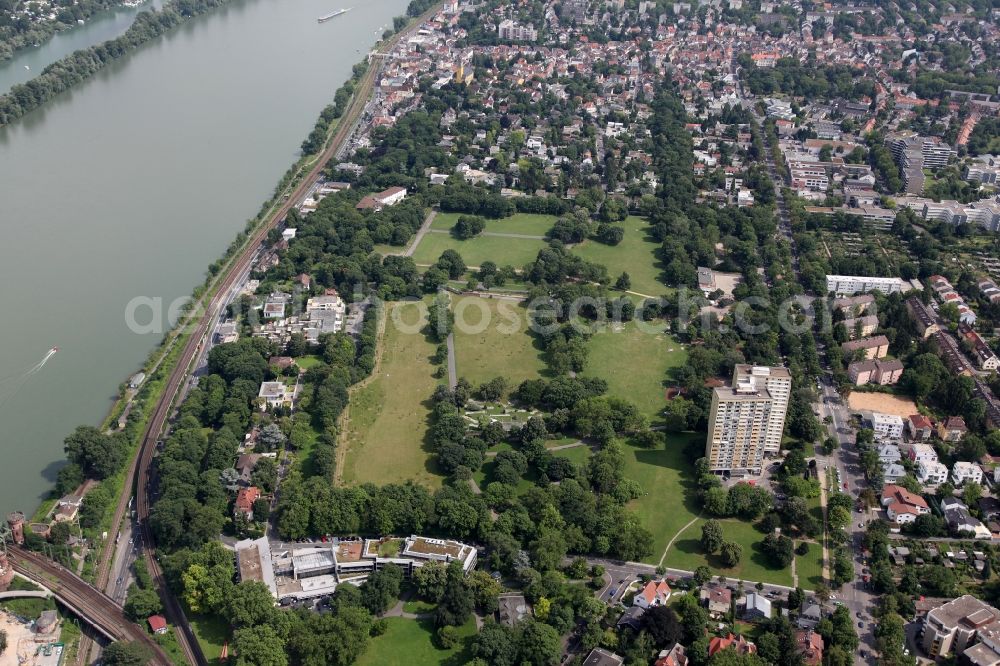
<point>673,460</point>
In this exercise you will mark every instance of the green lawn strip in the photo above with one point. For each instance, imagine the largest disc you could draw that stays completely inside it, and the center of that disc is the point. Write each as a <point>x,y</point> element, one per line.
<point>519,223</point>
<point>809,567</point>
<point>388,417</point>
<point>491,340</point>
<point>686,553</point>
<point>635,361</point>
<point>417,606</point>
<point>211,631</point>
<point>310,361</point>
<point>635,255</point>
<point>577,454</point>
<point>666,478</point>
<point>409,642</point>
<point>502,251</point>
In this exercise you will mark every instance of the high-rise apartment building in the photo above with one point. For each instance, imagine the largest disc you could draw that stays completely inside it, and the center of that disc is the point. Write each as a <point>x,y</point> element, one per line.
<point>747,419</point>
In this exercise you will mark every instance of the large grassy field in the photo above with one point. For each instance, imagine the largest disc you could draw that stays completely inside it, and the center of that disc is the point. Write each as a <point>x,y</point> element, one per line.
<point>635,362</point>
<point>387,421</point>
<point>519,223</point>
<point>503,346</point>
<point>410,643</point>
<point>809,567</point>
<point>667,481</point>
<point>635,255</point>
<point>501,250</point>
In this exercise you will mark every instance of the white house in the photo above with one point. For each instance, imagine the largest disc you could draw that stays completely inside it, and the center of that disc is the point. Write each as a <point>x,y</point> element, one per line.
<point>923,453</point>
<point>931,473</point>
<point>892,472</point>
<point>887,426</point>
<point>962,472</point>
<point>655,593</point>
<point>274,394</point>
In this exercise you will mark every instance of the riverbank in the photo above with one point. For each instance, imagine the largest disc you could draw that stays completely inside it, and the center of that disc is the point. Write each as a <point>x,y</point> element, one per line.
<point>12,41</point>
<point>81,65</point>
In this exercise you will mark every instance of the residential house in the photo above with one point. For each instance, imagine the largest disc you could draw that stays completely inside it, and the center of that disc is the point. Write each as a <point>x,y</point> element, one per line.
<point>886,426</point>
<point>274,394</point>
<point>881,372</point>
<point>892,472</point>
<point>731,642</point>
<point>874,347</point>
<point>922,452</point>
<point>632,618</point>
<point>957,515</point>
<point>922,316</point>
<point>601,657</point>
<point>654,593</point>
<point>952,429</point>
<point>67,508</point>
<point>901,505</point>
<point>809,645</point>
<point>864,325</point>
<point>931,473</point>
<point>756,607</point>
<point>962,472</point>
<point>810,615</point>
<point>675,656</point>
<point>919,427</point>
<point>245,465</point>
<point>889,453</point>
<point>384,199</point>
<point>717,598</point>
<point>244,501</point>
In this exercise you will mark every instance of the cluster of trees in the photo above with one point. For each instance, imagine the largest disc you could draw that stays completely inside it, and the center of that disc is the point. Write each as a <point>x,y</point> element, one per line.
<point>314,142</point>
<point>17,32</point>
<point>468,226</point>
<point>809,80</point>
<point>81,65</point>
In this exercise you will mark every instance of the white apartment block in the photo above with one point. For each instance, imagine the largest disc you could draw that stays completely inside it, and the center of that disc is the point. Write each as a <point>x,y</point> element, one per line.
<point>747,419</point>
<point>778,382</point>
<point>923,453</point>
<point>887,426</point>
<point>846,285</point>
<point>513,31</point>
<point>962,472</point>
<point>931,473</point>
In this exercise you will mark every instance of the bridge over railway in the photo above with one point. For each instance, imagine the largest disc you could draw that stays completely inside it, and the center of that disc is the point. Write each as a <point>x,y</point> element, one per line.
<point>86,602</point>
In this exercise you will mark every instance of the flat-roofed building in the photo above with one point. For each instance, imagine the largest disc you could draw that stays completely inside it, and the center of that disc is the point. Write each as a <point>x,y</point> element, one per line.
<point>954,627</point>
<point>747,419</point>
<point>846,285</point>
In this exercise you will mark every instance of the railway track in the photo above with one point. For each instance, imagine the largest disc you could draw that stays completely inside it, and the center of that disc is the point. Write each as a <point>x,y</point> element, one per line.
<point>94,607</point>
<point>139,475</point>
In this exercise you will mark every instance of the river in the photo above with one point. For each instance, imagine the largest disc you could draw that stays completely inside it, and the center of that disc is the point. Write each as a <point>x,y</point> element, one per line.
<point>129,186</point>
<point>100,27</point>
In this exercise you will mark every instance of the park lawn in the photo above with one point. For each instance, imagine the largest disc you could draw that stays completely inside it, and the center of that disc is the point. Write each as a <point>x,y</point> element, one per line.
<point>809,567</point>
<point>500,250</point>
<point>635,362</point>
<point>686,554</point>
<point>577,455</point>
<point>409,642</point>
<point>211,631</point>
<point>418,606</point>
<point>387,418</point>
<point>667,481</point>
<point>528,224</point>
<point>635,255</point>
<point>308,361</point>
<point>485,349</point>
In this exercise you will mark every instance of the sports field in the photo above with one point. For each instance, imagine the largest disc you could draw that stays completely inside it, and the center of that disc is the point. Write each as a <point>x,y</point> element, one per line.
<point>491,340</point>
<point>388,415</point>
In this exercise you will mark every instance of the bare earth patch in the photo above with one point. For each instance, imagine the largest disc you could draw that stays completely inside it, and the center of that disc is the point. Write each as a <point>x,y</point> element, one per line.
<point>882,402</point>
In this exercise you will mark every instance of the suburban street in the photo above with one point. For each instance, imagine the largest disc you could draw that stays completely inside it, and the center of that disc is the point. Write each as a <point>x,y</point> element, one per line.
<point>854,595</point>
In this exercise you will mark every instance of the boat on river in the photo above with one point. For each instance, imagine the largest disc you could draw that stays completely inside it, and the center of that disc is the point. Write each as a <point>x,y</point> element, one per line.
<point>331,15</point>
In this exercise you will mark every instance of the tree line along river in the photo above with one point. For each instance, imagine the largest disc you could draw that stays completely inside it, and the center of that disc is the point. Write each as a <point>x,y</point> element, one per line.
<point>129,186</point>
